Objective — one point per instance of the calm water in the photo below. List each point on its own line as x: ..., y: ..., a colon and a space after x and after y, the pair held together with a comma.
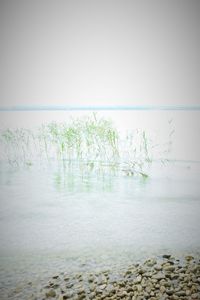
x: 51, y: 218
x: 54, y: 219
x: 44, y: 208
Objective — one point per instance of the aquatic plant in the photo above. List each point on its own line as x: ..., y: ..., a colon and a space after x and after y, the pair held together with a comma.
x: 16, y: 145
x: 94, y: 143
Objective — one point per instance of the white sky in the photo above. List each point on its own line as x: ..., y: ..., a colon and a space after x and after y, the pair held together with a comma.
x: 99, y: 52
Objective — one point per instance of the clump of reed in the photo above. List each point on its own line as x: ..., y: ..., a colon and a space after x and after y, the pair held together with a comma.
x: 91, y: 142
x: 88, y: 140
x: 16, y: 145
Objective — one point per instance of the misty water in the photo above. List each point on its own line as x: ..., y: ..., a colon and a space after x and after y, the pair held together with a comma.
x: 55, y: 218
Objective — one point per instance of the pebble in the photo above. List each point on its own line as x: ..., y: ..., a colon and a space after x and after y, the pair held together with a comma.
x: 51, y: 293
x: 169, y: 268
x: 167, y: 256
x: 151, y: 262
x: 158, y: 276
x: 155, y: 279
x: 138, y: 279
x: 189, y: 257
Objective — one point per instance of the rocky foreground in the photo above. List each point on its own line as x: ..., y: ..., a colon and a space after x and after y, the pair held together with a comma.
x: 163, y: 278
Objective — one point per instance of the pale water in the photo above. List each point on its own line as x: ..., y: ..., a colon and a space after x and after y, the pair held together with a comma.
x: 45, y: 208
x: 54, y: 218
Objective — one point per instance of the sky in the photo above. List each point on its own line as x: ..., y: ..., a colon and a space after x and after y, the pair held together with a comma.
x: 99, y: 52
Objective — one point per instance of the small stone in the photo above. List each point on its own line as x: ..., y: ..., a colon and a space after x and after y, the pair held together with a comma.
x: 162, y: 289
x: 189, y: 257
x: 81, y: 291
x: 158, y: 268
x: 175, y: 297
x: 167, y: 256
x: 148, y: 289
x: 141, y: 271
x: 151, y: 262
x: 90, y: 279
x: 64, y: 297
x: 138, y: 279
x: 92, y: 296
x: 169, y: 268
x: 128, y: 272
x: 195, y: 296
x: 129, y: 289
x: 66, y: 278
x: 139, y: 288
x: 81, y: 297
x: 174, y: 276
x: 158, y: 276
x: 122, y: 294
x: 121, y: 284
x: 102, y: 286
x: 188, y: 292
x: 170, y: 292
x: 69, y: 285
x: 18, y: 289
x: 181, y: 293
x: 51, y: 293
x: 92, y: 287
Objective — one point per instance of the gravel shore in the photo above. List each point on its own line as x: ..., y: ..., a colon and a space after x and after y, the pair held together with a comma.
x: 160, y: 278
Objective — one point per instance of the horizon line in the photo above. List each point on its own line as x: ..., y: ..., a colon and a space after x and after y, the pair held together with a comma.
x: 96, y: 107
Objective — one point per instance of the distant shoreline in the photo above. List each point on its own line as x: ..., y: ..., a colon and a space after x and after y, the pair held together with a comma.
x: 98, y: 108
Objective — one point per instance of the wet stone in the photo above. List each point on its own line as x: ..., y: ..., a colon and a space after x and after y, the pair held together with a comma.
x: 51, y: 293
x: 169, y: 268
x: 162, y: 280
x: 158, y: 276
x: 169, y: 292
x: 69, y: 285
x: 167, y: 256
x: 189, y: 257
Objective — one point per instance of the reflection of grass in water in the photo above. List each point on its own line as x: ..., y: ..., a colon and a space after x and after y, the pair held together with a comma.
x: 92, y: 142
x: 71, y: 181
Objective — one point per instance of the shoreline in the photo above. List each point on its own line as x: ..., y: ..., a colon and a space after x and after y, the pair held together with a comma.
x: 161, y: 278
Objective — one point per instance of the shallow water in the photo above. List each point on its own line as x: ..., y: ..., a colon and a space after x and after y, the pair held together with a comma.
x: 53, y: 218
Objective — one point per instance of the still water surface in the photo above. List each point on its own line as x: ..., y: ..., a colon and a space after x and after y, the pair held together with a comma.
x: 53, y: 218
